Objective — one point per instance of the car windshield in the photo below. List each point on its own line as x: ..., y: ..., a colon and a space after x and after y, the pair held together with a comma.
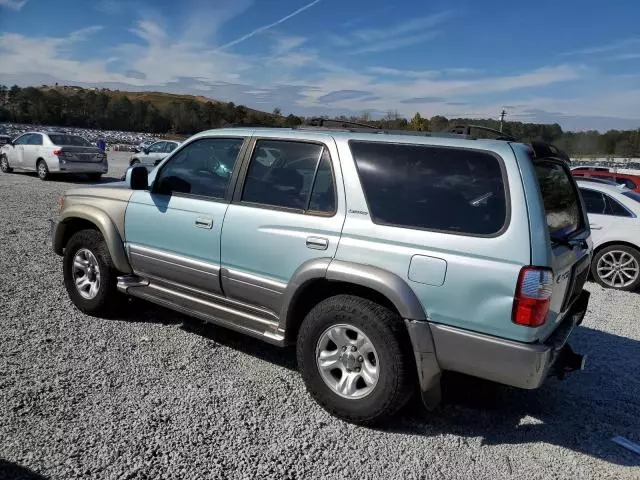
x: 633, y: 195
x: 71, y: 140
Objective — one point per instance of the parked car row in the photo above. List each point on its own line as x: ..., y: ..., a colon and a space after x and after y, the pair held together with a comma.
x: 386, y: 259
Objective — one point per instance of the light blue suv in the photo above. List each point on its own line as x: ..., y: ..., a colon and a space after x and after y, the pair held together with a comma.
x: 386, y: 257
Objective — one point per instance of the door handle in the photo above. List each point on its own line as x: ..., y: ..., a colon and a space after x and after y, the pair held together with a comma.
x: 317, y: 243
x: 204, y: 223
x: 594, y: 227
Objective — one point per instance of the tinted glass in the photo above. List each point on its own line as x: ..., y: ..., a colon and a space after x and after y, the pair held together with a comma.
x: 157, y: 147
x: 323, y: 197
x: 282, y: 174
x: 614, y: 208
x: 634, y: 195
x: 170, y: 147
x: 202, y: 168
x: 561, y: 201
x: 594, y: 201
x: 626, y: 182
x: 435, y: 188
x: 34, y: 139
x: 70, y: 140
x: 22, y: 140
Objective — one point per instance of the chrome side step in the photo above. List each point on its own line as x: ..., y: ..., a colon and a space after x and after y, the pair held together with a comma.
x: 225, y: 315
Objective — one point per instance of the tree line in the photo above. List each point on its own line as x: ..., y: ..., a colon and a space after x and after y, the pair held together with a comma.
x: 108, y: 110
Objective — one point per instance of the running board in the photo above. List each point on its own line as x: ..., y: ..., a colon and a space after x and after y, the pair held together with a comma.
x: 209, y: 311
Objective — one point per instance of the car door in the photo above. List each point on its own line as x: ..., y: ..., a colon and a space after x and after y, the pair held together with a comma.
x: 172, y: 231
x: 31, y: 151
x: 605, y: 214
x: 284, y: 213
x: 156, y: 152
x: 15, y: 152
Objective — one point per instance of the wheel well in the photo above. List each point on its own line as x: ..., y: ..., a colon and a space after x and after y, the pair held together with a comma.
x: 612, y: 243
x: 318, y: 290
x: 74, y: 225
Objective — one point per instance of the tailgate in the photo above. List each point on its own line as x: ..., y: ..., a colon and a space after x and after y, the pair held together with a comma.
x: 568, y: 229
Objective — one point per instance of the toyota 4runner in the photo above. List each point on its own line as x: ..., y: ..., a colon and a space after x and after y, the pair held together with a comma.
x: 386, y: 257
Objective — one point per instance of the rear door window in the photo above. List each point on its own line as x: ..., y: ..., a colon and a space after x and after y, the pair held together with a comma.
x: 433, y: 188
x: 594, y: 201
x: 560, y: 197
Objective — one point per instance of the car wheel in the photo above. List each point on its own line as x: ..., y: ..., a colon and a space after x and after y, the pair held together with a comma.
x: 89, y: 275
x: 352, y: 356
x: 617, y: 266
x: 4, y: 165
x: 94, y: 177
x: 43, y: 170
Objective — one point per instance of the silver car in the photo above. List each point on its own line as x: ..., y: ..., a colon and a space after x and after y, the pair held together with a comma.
x: 153, y: 154
x: 52, y: 152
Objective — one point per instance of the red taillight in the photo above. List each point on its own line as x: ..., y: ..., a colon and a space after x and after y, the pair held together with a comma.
x: 533, y: 295
x: 57, y: 152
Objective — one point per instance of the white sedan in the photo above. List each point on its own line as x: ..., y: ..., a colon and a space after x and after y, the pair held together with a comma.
x: 614, y: 217
x: 153, y: 154
x: 53, y: 152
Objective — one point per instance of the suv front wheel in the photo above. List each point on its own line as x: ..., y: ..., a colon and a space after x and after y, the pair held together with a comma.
x: 351, y: 353
x: 89, y: 275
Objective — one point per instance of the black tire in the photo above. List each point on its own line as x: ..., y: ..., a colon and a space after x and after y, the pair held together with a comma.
x: 4, y: 165
x: 94, y: 177
x: 388, y: 334
x: 106, y: 299
x: 43, y: 170
x: 630, y: 251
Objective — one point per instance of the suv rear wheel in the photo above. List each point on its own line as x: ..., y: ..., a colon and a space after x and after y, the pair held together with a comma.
x: 4, y: 165
x: 89, y: 275
x: 617, y: 266
x: 351, y: 353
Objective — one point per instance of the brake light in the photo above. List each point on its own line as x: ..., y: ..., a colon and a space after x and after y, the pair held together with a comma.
x: 533, y: 296
x: 58, y: 152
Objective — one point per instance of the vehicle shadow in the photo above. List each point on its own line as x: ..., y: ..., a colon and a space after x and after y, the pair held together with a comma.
x: 12, y: 471
x: 72, y: 178
x: 581, y: 413
x: 141, y: 311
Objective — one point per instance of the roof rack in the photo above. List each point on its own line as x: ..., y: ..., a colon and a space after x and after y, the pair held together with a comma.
x: 466, y: 130
x: 319, y: 122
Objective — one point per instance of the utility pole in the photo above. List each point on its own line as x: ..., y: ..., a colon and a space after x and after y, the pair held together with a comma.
x: 502, y: 115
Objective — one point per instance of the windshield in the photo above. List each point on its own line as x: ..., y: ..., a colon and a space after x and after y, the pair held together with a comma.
x: 71, y: 140
x: 631, y: 194
x: 561, y: 200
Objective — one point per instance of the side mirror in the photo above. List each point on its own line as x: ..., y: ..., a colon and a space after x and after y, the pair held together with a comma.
x: 138, y: 178
x: 145, y: 150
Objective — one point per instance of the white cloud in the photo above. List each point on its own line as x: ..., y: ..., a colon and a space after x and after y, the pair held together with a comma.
x: 13, y: 4
x: 609, y: 47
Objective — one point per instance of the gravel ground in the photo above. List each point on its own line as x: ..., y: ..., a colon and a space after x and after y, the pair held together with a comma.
x: 156, y: 395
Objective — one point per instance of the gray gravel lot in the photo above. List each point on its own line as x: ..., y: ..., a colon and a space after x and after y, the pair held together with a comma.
x: 156, y: 395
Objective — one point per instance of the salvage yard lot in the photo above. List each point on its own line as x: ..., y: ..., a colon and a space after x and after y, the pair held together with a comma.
x: 153, y: 394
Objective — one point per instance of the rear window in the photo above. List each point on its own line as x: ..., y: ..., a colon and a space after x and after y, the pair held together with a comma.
x: 70, y: 140
x: 561, y: 200
x: 433, y: 188
x: 631, y: 194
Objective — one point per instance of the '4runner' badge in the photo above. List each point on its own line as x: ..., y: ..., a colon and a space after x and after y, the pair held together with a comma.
x: 563, y: 276
x: 359, y: 212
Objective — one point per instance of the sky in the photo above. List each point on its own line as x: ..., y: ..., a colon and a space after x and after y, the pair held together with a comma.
x: 574, y: 62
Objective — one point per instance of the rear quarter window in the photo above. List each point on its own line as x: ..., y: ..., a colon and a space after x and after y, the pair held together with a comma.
x: 433, y: 188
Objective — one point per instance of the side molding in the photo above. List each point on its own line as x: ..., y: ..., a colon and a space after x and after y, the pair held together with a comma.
x: 106, y: 226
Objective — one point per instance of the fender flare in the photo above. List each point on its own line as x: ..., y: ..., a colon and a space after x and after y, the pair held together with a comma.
x: 382, y: 281
x: 104, y: 224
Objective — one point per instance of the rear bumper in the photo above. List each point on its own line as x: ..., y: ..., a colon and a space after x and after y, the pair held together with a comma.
x: 82, y: 167
x: 508, y: 362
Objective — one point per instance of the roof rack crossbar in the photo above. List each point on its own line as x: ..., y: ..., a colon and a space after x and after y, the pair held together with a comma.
x: 466, y: 130
x: 319, y: 122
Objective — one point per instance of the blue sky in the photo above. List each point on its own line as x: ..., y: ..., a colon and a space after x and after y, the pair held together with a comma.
x: 575, y: 62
